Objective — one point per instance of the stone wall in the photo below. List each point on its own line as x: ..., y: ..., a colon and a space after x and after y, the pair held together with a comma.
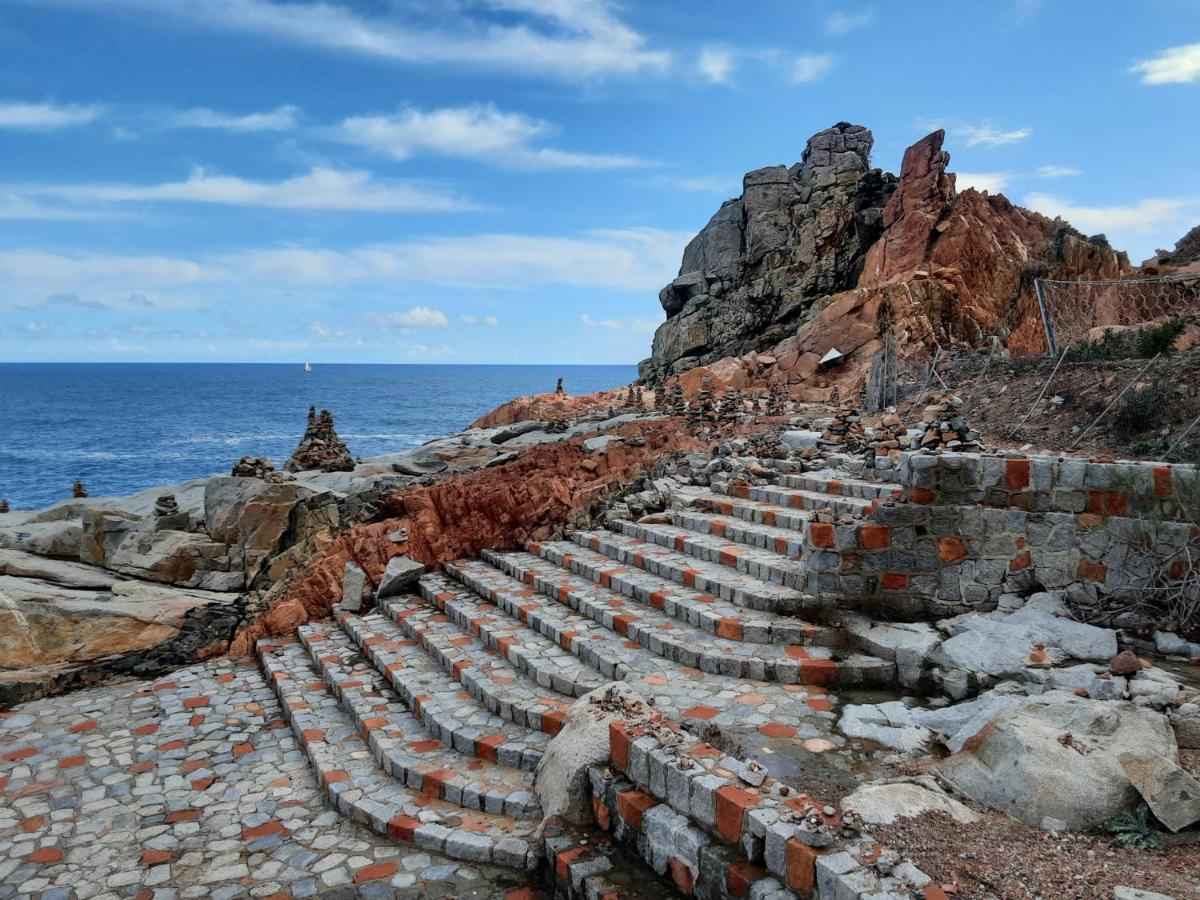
x: 963, y: 529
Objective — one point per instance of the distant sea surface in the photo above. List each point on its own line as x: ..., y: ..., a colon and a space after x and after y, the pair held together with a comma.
x: 120, y: 428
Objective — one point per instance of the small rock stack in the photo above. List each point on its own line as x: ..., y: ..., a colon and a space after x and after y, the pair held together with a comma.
x: 168, y: 516
x: 556, y: 426
x: 845, y: 432
x: 320, y: 448
x: 676, y: 403
x: 639, y: 401
x: 78, y: 491
x: 166, y: 505
x: 705, y: 411
x: 890, y: 437
x: 944, y: 427
x: 254, y: 467
x: 3, y: 505
x: 776, y: 400
x: 731, y: 406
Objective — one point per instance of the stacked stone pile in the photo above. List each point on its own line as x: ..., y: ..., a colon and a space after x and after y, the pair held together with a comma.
x: 845, y: 432
x: 944, y: 426
x: 889, y: 438
x: 320, y: 448
x: 256, y: 467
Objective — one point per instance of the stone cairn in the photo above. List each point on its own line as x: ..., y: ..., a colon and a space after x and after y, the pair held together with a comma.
x: 676, y: 403
x: 78, y: 491
x: 558, y: 389
x: 166, y: 505
x: 3, y: 505
x: 254, y: 467
x: 944, y: 427
x: 845, y: 432
x: 556, y: 426
x: 731, y: 406
x: 639, y: 401
x: 320, y: 448
x: 776, y: 400
x: 705, y: 411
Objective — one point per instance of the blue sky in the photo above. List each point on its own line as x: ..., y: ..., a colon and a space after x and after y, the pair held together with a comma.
x: 514, y: 180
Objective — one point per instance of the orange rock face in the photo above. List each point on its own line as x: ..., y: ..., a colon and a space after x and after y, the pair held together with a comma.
x: 550, y: 406
x: 496, y: 508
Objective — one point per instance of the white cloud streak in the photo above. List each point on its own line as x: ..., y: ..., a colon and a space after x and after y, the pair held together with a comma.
x: 571, y: 40
x: 281, y: 119
x: 319, y: 189
x: 18, y: 116
x: 1053, y: 171
x: 810, y: 67
x: 988, y: 136
x: 1142, y: 216
x: 479, y: 131
x: 417, y: 317
x: 716, y: 64
x: 842, y: 22
x: 1176, y: 65
x: 991, y: 182
x: 634, y: 259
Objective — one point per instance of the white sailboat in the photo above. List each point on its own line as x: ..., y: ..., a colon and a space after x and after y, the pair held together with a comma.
x: 308, y: 367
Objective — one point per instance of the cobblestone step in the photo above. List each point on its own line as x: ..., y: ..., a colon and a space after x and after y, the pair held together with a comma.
x: 402, y: 746
x: 838, y: 484
x: 552, y: 666
x: 357, y: 788
x: 448, y: 711
x: 483, y: 673
x: 658, y: 632
x: 798, y: 498
x: 680, y: 692
x: 711, y: 578
x: 756, y: 511
x: 710, y: 614
x: 748, y: 559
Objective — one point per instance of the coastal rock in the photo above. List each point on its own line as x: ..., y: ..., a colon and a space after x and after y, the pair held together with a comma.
x: 320, y: 448
x: 399, y: 576
x: 1171, y: 793
x: 883, y: 804
x: 254, y: 467
x: 819, y: 255
x: 59, y: 540
x: 250, y: 517
x: 1058, y: 757
x: 64, y: 624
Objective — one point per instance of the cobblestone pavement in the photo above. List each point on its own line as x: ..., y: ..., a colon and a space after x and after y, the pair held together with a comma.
x: 191, y: 786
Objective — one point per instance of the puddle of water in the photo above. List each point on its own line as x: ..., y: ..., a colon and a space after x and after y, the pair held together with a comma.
x: 1183, y: 670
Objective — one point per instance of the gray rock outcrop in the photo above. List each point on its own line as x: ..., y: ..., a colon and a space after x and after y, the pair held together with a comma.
x: 794, y: 235
x: 1059, y: 758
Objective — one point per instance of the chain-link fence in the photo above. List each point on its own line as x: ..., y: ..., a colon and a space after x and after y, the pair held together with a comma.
x: 1117, y: 319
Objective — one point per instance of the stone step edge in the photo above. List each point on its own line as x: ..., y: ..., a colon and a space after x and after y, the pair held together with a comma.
x: 433, y: 779
x: 337, y: 783
x: 746, y: 625
x: 772, y: 827
x: 447, y: 729
x: 842, y: 486
x: 799, y: 498
x: 794, y: 665
x: 495, y: 637
x: 796, y: 603
x: 548, y: 721
x: 784, y: 569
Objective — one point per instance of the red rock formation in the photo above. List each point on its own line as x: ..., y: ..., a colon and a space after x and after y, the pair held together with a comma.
x: 550, y: 406
x: 498, y: 508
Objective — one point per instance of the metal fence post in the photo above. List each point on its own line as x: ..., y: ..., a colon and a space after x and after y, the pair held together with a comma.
x: 1051, y: 349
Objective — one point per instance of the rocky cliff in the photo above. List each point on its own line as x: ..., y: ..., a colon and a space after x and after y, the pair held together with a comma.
x: 832, y: 253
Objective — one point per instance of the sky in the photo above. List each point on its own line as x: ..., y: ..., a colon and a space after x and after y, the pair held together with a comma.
x: 513, y: 181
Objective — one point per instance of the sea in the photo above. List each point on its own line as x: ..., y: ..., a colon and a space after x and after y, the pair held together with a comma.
x: 120, y: 428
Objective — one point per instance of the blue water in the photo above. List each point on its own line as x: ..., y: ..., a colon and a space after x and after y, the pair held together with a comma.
x: 123, y: 427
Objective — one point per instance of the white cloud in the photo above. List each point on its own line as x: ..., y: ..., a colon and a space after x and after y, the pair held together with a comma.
x: 982, y: 135
x: 45, y: 116
x: 987, y: 135
x: 635, y: 259
x: 992, y: 182
x: 418, y: 317
x: 567, y: 39
x: 479, y: 131
x: 321, y: 188
x: 491, y: 320
x: 715, y: 64
x: 1177, y: 65
x: 811, y: 67
x: 281, y: 119
x: 610, y: 324
x: 1053, y: 171
x: 705, y: 184
x: 844, y: 22
x: 470, y: 319
x: 1145, y: 215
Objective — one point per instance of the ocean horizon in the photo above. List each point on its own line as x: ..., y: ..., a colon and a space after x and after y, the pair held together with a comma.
x: 124, y: 427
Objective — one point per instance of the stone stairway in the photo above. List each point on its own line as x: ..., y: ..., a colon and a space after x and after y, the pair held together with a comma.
x: 426, y: 718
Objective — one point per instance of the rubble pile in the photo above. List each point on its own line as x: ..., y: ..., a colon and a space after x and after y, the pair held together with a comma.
x: 845, y: 432
x: 943, y: 425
